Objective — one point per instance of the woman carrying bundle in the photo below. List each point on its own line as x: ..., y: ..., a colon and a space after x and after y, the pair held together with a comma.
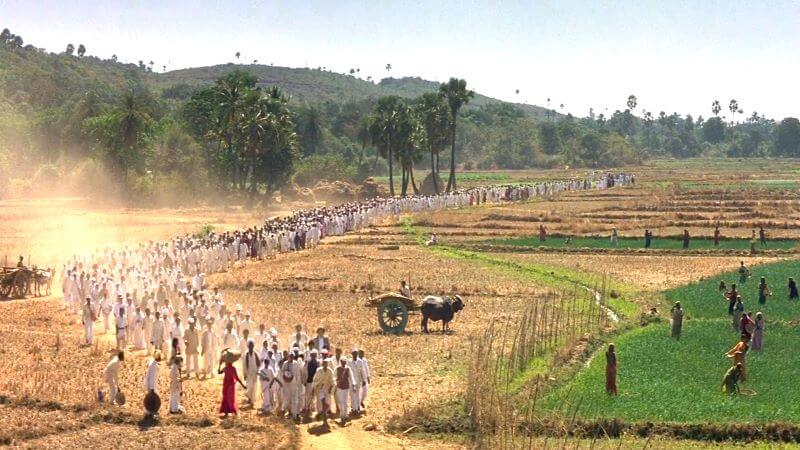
x: 229, y: 381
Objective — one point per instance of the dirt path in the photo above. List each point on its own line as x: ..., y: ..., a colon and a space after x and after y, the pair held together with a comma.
x: 353, y: 436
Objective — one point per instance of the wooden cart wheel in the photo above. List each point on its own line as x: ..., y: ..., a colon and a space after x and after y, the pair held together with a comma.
x: 5, y: 289
x: 19, y: 285
x: 393, y: 316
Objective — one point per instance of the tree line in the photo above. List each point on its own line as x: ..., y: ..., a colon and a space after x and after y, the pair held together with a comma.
x: 101, y: 125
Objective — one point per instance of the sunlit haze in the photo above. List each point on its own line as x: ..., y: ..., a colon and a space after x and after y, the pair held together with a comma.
x: 675, y: 56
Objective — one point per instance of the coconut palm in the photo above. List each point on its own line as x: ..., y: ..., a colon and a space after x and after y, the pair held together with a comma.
x: 456, y: 95
x: 715, y: 107
x: 733, y: 106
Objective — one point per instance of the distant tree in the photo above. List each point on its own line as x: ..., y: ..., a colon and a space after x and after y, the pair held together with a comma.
x: 150, y: 65
x: 389, y: 129
x: 434, y: 116
x: 456, y: 95
x: 164, y: 68
x: 352, y: 71
x: 16, y: 41
x: 311, y: 130
x: 632, y: 101
x: 593, y: 149
x: 255, y: 61
x: 114, y: 57
x: 5, y: 36
x: 733, y: 106
x: 550, y: 139
x: 787, y: 137
x: 238, y: 54
x: 648, y: 118
x: 388, y: 67
x: 70, y: 49
x: 81, y: 50
x: 688, y: 123
x: 714, y: 130
x: 715, y: 107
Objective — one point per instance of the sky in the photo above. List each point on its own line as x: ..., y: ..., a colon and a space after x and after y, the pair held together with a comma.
x: 675, y: 56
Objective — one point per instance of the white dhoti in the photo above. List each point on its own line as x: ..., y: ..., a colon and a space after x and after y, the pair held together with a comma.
x: 208, y: 364
x: 252, y: 381
x: 341, y: 401
x: 355, y: 399
x: 88, y: 331
x: 175, y: 401
x: 364, y: 391
x: 266, y: 396
x: 192, y: 364
x: 323, y: 396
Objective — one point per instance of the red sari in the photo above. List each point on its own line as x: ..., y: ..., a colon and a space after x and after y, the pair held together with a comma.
x: 611, y: 373
x: 229, y: 390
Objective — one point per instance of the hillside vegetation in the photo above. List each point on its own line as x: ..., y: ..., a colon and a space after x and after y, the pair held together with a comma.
x: 73, y: 123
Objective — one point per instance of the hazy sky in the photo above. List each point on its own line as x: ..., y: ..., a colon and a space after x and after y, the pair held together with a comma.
x: 674, y: 55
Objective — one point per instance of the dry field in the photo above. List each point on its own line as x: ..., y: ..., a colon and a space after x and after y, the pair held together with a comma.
x: 328, y: 286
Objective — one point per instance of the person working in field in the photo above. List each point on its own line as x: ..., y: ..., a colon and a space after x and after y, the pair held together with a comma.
x: 792, y: 286
x: 757, y: 342
x: 648, y: 238
x: 542, y: 233
x: 744, y: 273
x: 746, y: 325
x: 111, y: 376
x: 738, y: 310
x: 738, y: 353
x: 686, y: 239
x: 611, y: 370
x: 763, y: 291
x: 730, y: 382
x: 731, y: 296
x: 716, y: 236
x: 614, y: 237
x: 762, y: 236
x: 677, y: 320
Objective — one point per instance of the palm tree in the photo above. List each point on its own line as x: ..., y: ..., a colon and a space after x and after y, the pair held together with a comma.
x: 434, y: 117
x: 715, y: 107
x: 388, y: 67
x: 238, y: 54
x: 733, y: 106
x: 70, y: 49
x: 632, y: 101
x: 114, y: 57
x: 388, y: 130
x: 81, y: 50
x: 456, y: 94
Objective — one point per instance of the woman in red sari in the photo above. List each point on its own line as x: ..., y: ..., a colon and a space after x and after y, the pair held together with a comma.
x: 611, y: 370
x: 229, y: 381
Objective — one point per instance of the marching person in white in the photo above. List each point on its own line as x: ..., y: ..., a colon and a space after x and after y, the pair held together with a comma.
x: 344, y: 386
x: 269, y: 378
x: 157, y: 334
x: 88, y: 316
x: 359, y: 380
x: 322, y: 387
x: 151, y: 377
x: 111, y: 376
x: 367, y: 376
x: 208, y: 345
x: 175, y: 386
x: 192, y: 341
x: 251, y: 363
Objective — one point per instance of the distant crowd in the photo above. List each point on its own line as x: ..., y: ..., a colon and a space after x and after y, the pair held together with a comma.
x: 155, y: 299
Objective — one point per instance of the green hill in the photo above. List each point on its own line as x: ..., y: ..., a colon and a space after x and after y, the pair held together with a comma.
x: 316, y: 85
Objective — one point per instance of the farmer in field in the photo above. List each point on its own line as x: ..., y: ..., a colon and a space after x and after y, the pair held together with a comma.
x: 614, y: 237
x: 686, y: 238
x: 744, y: 273
x: 738, y: 353
x: 251, y: 364
x: 367, y: 376
x: 648, y: 238
x: 229, y: 380
x: 731, y: 296
x: 677, y: 320
x: 111, y: 376
x: 542, y: 233
x: 208, y: 347
x: 738, y: 310
x: 746, y: 325
x: 792, y: 286
x: 757, y: 342
x: 716, y: 236
x: 344, y: 384
x: 322, y: 388
x: 611, y: 370
x: 730, y: 383
x: 763, y: 291
x: 762, y: 236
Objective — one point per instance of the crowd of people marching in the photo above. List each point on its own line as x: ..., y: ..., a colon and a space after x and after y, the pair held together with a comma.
x: 155, y: 298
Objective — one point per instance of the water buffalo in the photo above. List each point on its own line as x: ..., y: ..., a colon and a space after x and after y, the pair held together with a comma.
x: 437, y: 308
